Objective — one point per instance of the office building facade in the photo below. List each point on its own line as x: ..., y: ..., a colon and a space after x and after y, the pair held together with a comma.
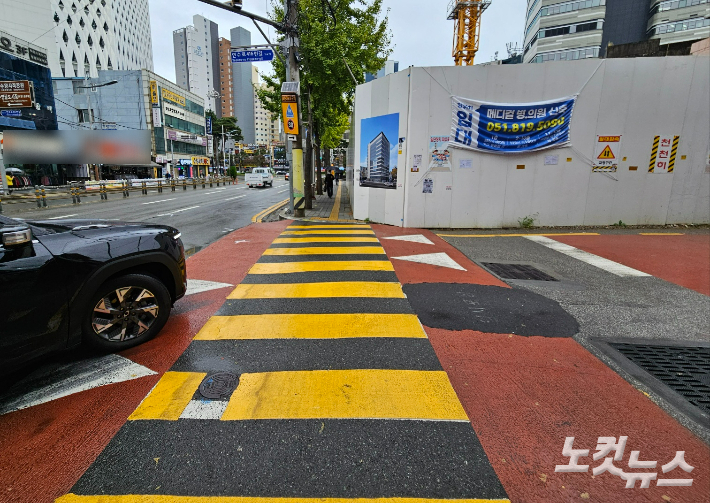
x: 242, y: 89
x: 267, y: 127
x: 378, y: 159
x: 140, y: 100
x: 226, y: 82
x: 196, y: 52
x: 84, y: 37
x: 580, y: 29
x: 390, y: 67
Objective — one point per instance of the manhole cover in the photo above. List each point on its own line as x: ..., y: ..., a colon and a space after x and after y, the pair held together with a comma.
x: 686, y: 370
x: 219, y: 386
x: 517, y: 271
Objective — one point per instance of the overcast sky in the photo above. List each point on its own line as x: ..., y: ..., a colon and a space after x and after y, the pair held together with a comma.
x: 421, y: 34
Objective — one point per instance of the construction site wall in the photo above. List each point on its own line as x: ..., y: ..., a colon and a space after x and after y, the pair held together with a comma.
x: 637, y: 99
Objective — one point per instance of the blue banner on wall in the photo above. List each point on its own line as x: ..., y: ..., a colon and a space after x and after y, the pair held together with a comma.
x: 209, y: 125
x: 510, y: 127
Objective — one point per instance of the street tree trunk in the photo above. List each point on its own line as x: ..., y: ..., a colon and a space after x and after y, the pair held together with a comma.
x: 326, y: 160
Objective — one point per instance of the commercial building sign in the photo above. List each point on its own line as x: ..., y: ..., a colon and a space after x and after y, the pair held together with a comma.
x: 200, y: 161
x: 21, y: 49
x: 157, y: 118
x: 171, y: 96
x: 16, y: 94
x: 510, y: 127
x: 174, y: 111
x: 187, y: 137
x: 153, y: 92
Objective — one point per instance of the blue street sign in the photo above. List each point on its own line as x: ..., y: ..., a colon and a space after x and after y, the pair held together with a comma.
x: 209, y: 125
x: 253, y: 55
x: 11, y: 113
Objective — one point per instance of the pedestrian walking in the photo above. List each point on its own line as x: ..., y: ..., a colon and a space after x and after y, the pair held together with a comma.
x: 336, y: 176
x: 329, y: 183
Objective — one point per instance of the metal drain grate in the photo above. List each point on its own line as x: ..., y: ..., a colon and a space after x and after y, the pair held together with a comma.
x: 686, y: 370
x: 517, y: 271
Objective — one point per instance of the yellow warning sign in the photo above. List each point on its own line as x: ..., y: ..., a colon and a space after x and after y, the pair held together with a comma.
x: 289, y: 107
x: 606, y: 153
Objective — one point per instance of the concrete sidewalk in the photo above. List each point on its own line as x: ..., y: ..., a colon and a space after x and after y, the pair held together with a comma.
x: 336, y: 208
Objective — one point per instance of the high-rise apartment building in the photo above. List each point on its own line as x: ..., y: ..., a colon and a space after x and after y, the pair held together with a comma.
x: 267, y: 127
x: 226, y: 84
x: 242, y: 89
x: 196, y: 51
x: 578, y: 29
x: 83, y: 36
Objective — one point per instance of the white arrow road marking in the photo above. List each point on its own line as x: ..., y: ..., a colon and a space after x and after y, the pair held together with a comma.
x: 199, y: 285
x: 241, y: 241
x: 440, y: 259
x: 176, y: 211
x: 414, y: 238
x: 53, y: 382
x: 161, y: 201
x: 595, y: 260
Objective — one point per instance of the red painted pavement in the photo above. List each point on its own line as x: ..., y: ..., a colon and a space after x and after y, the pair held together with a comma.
x: 683, y: 260
x: 46, y: 448
x: 524, y: 395
x: 415, y: 272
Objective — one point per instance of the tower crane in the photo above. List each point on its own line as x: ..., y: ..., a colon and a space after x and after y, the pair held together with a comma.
x: 467, y: 27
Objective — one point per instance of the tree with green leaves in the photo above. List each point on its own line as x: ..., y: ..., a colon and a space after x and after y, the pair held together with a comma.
x: 336, y: 37
x: 230, y: 128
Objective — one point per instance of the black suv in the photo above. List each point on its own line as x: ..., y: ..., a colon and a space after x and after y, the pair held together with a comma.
x: 109, y: 284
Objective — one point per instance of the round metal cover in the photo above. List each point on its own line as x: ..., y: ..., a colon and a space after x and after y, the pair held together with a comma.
x: 219, y: 386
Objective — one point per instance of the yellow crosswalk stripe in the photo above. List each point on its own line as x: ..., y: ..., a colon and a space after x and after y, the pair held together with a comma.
x: 325, y: 240
x: 329, y: 231
x: 169, y: 397
x: 327, y: 250
x: 328, y: 226
x: 311, y: 326
x: 345, y: 394
x: 334, y: 265
x: 163, y: 498
x: 315, y: 290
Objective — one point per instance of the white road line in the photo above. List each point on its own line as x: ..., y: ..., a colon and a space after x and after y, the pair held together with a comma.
x: 204, y: 409
x: 232, y: 198
x: 595, y: 260
x: 177, y: 211
x: 63, y: 216
x: 280, y: 191
x: 161, y: 201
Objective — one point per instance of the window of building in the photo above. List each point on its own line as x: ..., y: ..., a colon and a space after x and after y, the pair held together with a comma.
x: 688, y: 24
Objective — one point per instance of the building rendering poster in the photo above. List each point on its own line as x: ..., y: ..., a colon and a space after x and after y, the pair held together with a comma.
x: 378, y: 151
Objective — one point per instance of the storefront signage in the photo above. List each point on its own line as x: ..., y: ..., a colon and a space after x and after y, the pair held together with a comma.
x: 510, y: 127
x: 187, y: 137
x: 16, y: 94
x: 175, y: 98
x: 21, y: 49
x: 153, y: 92
x: 200, y: 161
x: 174, y: 111
x: 209, y: 125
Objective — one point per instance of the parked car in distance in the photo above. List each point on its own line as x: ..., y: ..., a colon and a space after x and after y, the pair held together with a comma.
x: 109, y: 284
x: 259, y: 177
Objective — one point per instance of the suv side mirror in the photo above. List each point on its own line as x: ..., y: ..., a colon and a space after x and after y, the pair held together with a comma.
x: 16, y: 236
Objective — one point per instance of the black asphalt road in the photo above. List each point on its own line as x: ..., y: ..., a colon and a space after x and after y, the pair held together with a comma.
x: 202, y: 215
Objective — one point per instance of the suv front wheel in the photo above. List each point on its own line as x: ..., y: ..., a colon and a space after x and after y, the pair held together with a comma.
x: 126, y: 311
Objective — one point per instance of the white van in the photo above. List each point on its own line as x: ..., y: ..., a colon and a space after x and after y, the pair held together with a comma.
x: 259, y: 177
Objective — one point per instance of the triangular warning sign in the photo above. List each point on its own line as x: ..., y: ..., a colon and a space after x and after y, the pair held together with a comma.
x: 289, y: 112
x: 607, y: 153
